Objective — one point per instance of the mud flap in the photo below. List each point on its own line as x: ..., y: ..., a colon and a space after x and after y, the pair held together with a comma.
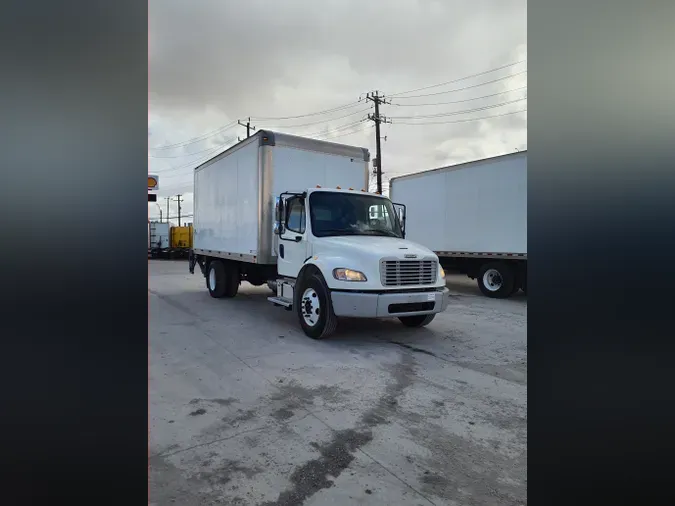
x: 191, y: 261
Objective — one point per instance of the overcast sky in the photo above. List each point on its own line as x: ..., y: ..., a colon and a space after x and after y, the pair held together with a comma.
x: 212, y: 62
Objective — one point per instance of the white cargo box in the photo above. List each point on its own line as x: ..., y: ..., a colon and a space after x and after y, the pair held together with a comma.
x: 158, y: 235
x: 472, y: 209
x: 235, y: 191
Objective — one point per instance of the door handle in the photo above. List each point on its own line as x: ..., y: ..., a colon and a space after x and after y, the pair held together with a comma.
x: 298, y: 238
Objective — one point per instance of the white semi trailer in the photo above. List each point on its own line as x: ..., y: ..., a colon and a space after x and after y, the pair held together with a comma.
x: 474, y: 217
x: 293, y: 213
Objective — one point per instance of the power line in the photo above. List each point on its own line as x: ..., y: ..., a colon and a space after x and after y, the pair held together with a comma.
x: 351, y: 132
x: 457, y: 80
x: 256, y: 118
x: 454, y: 113
x: 196, y: 139
x: 319, y: 122
x: 460, y: 101
x: 196, y: 152
x: 195, y: 163
x: 326, y: 111
x: 337, y: 129
x: 510, y: 76
x: 461, y: 120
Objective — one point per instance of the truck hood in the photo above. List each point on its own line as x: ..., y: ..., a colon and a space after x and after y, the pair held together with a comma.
x: 373, y: 247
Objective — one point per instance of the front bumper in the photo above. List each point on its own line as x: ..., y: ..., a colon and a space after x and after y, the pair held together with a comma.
x: 382, y: 305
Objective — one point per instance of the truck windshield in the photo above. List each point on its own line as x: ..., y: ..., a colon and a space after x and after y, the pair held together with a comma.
x: 333, y: 213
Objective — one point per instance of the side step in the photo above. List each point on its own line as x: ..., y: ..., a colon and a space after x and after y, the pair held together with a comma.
x: 281, y: 301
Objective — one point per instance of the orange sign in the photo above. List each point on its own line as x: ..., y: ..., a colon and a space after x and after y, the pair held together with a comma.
x: 153, y: 182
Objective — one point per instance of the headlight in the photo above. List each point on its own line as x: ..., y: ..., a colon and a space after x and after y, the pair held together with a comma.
x: 441, y: 271
x: 348, y: 275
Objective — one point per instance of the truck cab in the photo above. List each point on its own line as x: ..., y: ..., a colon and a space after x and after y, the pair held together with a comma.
x: 343, y: 253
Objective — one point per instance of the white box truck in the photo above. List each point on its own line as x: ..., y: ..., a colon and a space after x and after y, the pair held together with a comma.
x: 474, y: 217
x: 294, y: 213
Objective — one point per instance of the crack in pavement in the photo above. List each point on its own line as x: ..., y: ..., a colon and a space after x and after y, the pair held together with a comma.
x: 337, y: 454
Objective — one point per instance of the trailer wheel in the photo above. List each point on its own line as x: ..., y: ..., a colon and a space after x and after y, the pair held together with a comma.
x: 416, y: 321
x: 314, y: 307
x: 215, y: 279
x: 496, y: 280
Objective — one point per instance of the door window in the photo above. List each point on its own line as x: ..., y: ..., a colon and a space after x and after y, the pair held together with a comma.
x: 296, y: 216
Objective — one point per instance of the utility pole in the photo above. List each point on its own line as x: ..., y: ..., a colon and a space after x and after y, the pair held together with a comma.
x: 168, y: 199
x: 248, y: 128
x: 377, y: 99
x: 178, y: 199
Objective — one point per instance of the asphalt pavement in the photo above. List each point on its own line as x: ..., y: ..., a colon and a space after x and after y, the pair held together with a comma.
x: 247, y: 410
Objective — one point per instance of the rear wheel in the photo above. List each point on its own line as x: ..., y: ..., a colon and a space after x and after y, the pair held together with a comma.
x: 222, y: 279
x: 215, y: 279
x: 421, y: 320
x: 496, y: 280
x: 314, y: 307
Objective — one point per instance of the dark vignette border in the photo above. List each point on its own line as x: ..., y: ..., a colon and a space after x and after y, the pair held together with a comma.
x: 74, y: 300
x: 74, y: 294
x: 601, y: 198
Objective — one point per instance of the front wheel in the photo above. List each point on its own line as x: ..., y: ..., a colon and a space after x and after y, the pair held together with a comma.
x: 416, y: 321
x: 315, y: 308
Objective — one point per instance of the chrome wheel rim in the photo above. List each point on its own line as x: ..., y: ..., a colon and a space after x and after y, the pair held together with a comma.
x: 310, y: 307
x: 492, y: 279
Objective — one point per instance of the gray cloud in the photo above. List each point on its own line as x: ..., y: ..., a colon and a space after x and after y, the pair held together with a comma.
x: 212, y: 62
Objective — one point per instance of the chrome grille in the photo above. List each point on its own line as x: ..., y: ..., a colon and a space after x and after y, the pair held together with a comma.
x: 408, y: 272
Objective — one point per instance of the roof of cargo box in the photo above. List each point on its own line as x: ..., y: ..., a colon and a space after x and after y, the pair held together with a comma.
x: 463, y: 165
x: 270, y: 138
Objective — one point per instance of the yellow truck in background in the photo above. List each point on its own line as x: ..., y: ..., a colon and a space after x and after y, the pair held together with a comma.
x: 176, y: 244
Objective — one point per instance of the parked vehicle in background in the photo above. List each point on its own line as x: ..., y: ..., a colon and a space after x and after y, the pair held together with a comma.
x: 181, y: 241
x: 293, y: 213
x: 167, y: 241
x: 474, y: 217
x: 159, y: 238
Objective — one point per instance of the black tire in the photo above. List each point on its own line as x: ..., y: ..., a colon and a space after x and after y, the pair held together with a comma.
x: 232, y: 279
x: 326, y: 322
x: 504, y: 280
x: 215, y: 274
x: 421, y: 320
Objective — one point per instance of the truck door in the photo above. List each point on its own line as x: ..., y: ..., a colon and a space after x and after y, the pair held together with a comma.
x: 292, y: 240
